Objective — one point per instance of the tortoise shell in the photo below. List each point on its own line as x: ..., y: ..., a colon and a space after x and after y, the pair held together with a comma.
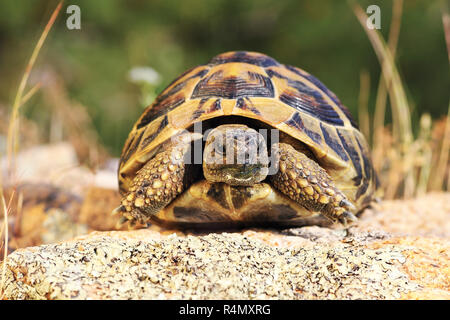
x: 253, y: 85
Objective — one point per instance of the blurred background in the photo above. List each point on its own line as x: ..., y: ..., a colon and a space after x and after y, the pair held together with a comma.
x: 92, y: 66
x: 89, y: 86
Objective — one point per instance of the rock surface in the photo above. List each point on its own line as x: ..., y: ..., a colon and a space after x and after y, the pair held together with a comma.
x: 317, y: 263
x: 54, y: 198
x: 427, y: 215
x: 57, y: 164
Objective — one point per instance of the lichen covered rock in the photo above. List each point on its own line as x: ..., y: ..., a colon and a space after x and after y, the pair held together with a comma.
x: 318, y: 263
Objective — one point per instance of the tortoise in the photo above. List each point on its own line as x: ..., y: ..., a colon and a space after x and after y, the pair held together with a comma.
x: 200, y: 155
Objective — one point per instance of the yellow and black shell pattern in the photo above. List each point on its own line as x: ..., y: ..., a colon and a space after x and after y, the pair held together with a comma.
x: 254, y: 85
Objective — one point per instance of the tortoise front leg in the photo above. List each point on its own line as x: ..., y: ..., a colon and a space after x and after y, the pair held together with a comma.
x: 306, y: 182
x: 157, y: 183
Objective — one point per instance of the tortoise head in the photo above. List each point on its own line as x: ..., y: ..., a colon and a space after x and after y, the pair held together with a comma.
x: 235, y: 154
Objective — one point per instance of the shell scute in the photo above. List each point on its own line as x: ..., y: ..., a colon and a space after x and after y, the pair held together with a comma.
x: 332, y: 140
x: 328, y: 92
x: 304, y: 97
x: 253, y: 85
x: 253, y: 58
x: 245, y: 84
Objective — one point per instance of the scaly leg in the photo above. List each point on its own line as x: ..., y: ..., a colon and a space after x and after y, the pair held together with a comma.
x: 306, y: 182
x: 156, y: 184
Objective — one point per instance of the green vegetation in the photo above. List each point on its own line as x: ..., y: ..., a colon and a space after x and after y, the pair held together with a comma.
x: 91, y: 65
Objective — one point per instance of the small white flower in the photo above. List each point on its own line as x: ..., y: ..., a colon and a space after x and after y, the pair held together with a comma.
x: 144, y: 74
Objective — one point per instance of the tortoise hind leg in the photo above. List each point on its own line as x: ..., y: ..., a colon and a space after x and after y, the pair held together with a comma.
x: 306, y: 182
x: 157, y: 183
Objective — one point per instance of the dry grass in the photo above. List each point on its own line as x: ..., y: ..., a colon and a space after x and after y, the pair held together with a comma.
x: 5, y: 236
x: 380, y: 104
x: 71, y: 122
x: 13, y: 133
x: 363, y: 103
x: 405, y: 163
x: 442, y: 163
x: 12, y: 140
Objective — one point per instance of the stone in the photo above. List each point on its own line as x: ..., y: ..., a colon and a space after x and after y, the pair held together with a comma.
x: 57, y: 164
x: 253, y: 264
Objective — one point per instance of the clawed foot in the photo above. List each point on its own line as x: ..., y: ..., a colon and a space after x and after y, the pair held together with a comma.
x: 306, y: 182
